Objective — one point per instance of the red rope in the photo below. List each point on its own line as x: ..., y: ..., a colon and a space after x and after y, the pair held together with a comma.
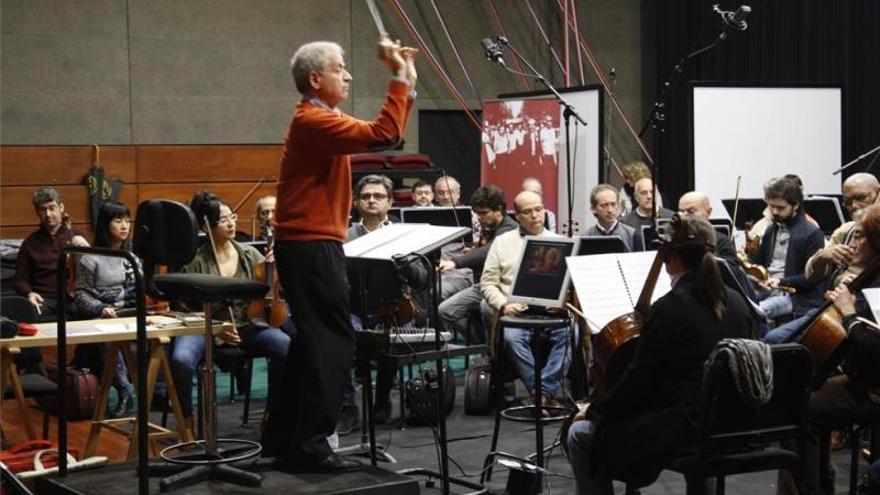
x: 591, y: 57
x: 434, y: 64
x: 574, y: 15
x: 559, y: 63
x: 565, y: 44
x: 544, y: 34
x: 489, y: 7
x: 455, y: 51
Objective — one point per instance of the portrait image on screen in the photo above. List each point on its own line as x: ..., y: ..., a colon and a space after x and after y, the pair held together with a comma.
x: 542, y: 275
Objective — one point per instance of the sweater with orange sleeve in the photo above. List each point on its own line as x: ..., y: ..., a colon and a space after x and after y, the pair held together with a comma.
x: 314, y: 186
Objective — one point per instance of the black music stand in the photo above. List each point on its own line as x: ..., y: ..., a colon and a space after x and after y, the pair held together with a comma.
x: 826, y: 210
x: 600, y: 244
x: 377, y: 249
x: 446, y: 216
x: 749, y: 210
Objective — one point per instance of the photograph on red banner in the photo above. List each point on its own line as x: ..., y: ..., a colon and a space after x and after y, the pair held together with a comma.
x: 521, y: 139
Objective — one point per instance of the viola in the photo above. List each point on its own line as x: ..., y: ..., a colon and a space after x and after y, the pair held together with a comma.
x: 272, y: 306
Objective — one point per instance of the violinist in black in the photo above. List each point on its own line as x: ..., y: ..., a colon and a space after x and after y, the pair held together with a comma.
x: 653, y: 411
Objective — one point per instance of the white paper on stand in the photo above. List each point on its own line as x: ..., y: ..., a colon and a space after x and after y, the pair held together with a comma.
x: 608, y: 285
x: 397, y: 238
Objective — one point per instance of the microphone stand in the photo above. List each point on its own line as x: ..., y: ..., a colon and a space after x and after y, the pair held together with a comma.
x: 657, y: 120
x: 567, y: 113
x: 858, y: 159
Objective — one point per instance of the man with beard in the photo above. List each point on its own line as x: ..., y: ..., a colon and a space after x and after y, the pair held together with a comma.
x: 785, y: 249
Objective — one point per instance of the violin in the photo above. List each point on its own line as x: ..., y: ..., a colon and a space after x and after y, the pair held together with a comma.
x: 272, y: 306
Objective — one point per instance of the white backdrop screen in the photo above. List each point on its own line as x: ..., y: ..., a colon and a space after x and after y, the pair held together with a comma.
x: 760, y: 133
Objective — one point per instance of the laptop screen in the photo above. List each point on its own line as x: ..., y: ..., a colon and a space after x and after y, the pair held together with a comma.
x: 541, y: 277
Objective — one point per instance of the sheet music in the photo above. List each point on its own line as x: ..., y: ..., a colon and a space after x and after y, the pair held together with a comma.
x: 872, y: 295
x: 397, y: 238
x: 608, y: 285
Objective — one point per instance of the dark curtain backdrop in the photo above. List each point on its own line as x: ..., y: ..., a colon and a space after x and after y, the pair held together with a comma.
x: 826, y: 42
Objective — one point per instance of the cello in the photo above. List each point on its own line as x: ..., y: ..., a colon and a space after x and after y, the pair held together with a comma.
x: 615, y: 345
x: 825, y: 336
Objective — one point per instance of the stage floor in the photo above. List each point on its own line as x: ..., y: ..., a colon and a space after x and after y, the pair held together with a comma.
x: 469, y: 439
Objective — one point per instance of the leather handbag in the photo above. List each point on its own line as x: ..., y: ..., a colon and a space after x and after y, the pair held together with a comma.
x: 81, y: 393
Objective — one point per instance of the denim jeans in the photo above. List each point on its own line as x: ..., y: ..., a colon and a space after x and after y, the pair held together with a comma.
x: 786, y: 332
x: 580, y: 444
x: 188, y: 350
x: 517, y: 342
x: 777, y: 304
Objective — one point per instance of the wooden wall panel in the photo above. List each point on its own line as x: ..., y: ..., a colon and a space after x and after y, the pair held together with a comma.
x: 22, y: 231
x: 53, y: 165
x: 17, y: 208
x: 150, y: 171
x: 208, y: 163
x: 229, y: 192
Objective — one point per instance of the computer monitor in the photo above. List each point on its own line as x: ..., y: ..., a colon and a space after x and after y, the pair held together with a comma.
x: 541, y: 277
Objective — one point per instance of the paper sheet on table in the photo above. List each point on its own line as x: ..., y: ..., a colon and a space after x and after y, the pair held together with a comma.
x: 608, y: 285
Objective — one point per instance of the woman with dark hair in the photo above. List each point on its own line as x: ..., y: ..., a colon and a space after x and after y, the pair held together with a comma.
x: 855, y: 394
x: 228, y: 258
x: 653, y: 411
x: 103, y: 286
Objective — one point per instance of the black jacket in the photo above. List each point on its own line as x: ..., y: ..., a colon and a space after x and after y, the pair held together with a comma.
x: 805, y: 240
x: 653, y: 411
x: 476, y: 257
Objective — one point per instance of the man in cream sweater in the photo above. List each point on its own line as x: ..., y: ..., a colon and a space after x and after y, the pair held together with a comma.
x: 497, y: 279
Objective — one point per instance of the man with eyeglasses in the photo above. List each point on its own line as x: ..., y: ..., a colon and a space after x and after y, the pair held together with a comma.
x: 314, y: 198
x: 496, y: 283
x: 422, y: 194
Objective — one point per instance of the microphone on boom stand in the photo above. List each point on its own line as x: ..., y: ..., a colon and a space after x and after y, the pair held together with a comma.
x: 733, y: 21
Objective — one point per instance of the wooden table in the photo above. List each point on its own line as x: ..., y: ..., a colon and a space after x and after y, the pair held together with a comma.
x: 117, y: 332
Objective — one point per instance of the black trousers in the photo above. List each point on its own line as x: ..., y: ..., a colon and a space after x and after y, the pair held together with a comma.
x: 315, y: 285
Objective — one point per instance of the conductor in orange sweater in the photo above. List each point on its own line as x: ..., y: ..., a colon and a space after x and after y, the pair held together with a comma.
x: 314, y: 197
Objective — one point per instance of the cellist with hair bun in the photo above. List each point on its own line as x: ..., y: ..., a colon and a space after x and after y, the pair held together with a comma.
x: 652, y: 412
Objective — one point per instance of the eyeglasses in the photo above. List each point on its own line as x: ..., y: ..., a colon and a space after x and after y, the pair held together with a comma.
x: 376, y: 196
x: 228, y: 218
x: 859, y: 198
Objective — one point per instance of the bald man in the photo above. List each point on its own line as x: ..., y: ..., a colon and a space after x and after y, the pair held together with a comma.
x: 697, y: 203
x: 641, y: 215
x: 496, y: 283
x: 534, y: 185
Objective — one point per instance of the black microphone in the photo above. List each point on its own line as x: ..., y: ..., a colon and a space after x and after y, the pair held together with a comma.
x: 493, y: 51
x: 733, y: 21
